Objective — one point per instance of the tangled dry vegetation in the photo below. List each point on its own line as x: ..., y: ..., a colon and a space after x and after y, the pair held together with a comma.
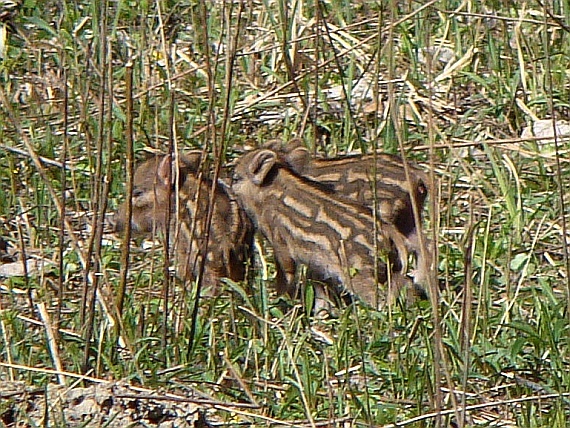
x: 469, y: 90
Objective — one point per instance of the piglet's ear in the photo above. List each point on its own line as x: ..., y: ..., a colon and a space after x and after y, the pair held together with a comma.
x: 275, y: 145
x: 260, y: 166
x: 165, y: 171
x: 292, y: 144
x: 298, y: 158
x: 191, y: 160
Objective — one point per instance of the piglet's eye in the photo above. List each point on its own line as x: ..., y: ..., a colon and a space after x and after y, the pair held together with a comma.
x: 137, y: 193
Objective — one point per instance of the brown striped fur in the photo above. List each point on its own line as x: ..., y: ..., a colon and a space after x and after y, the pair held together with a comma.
x: 231, y: 232
x: 309, y: 225
x: 376, y: 181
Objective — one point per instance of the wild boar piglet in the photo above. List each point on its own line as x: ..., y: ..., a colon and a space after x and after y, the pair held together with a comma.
x: 378, y: 181
x: 157, y: 197
x: 307, y: 224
